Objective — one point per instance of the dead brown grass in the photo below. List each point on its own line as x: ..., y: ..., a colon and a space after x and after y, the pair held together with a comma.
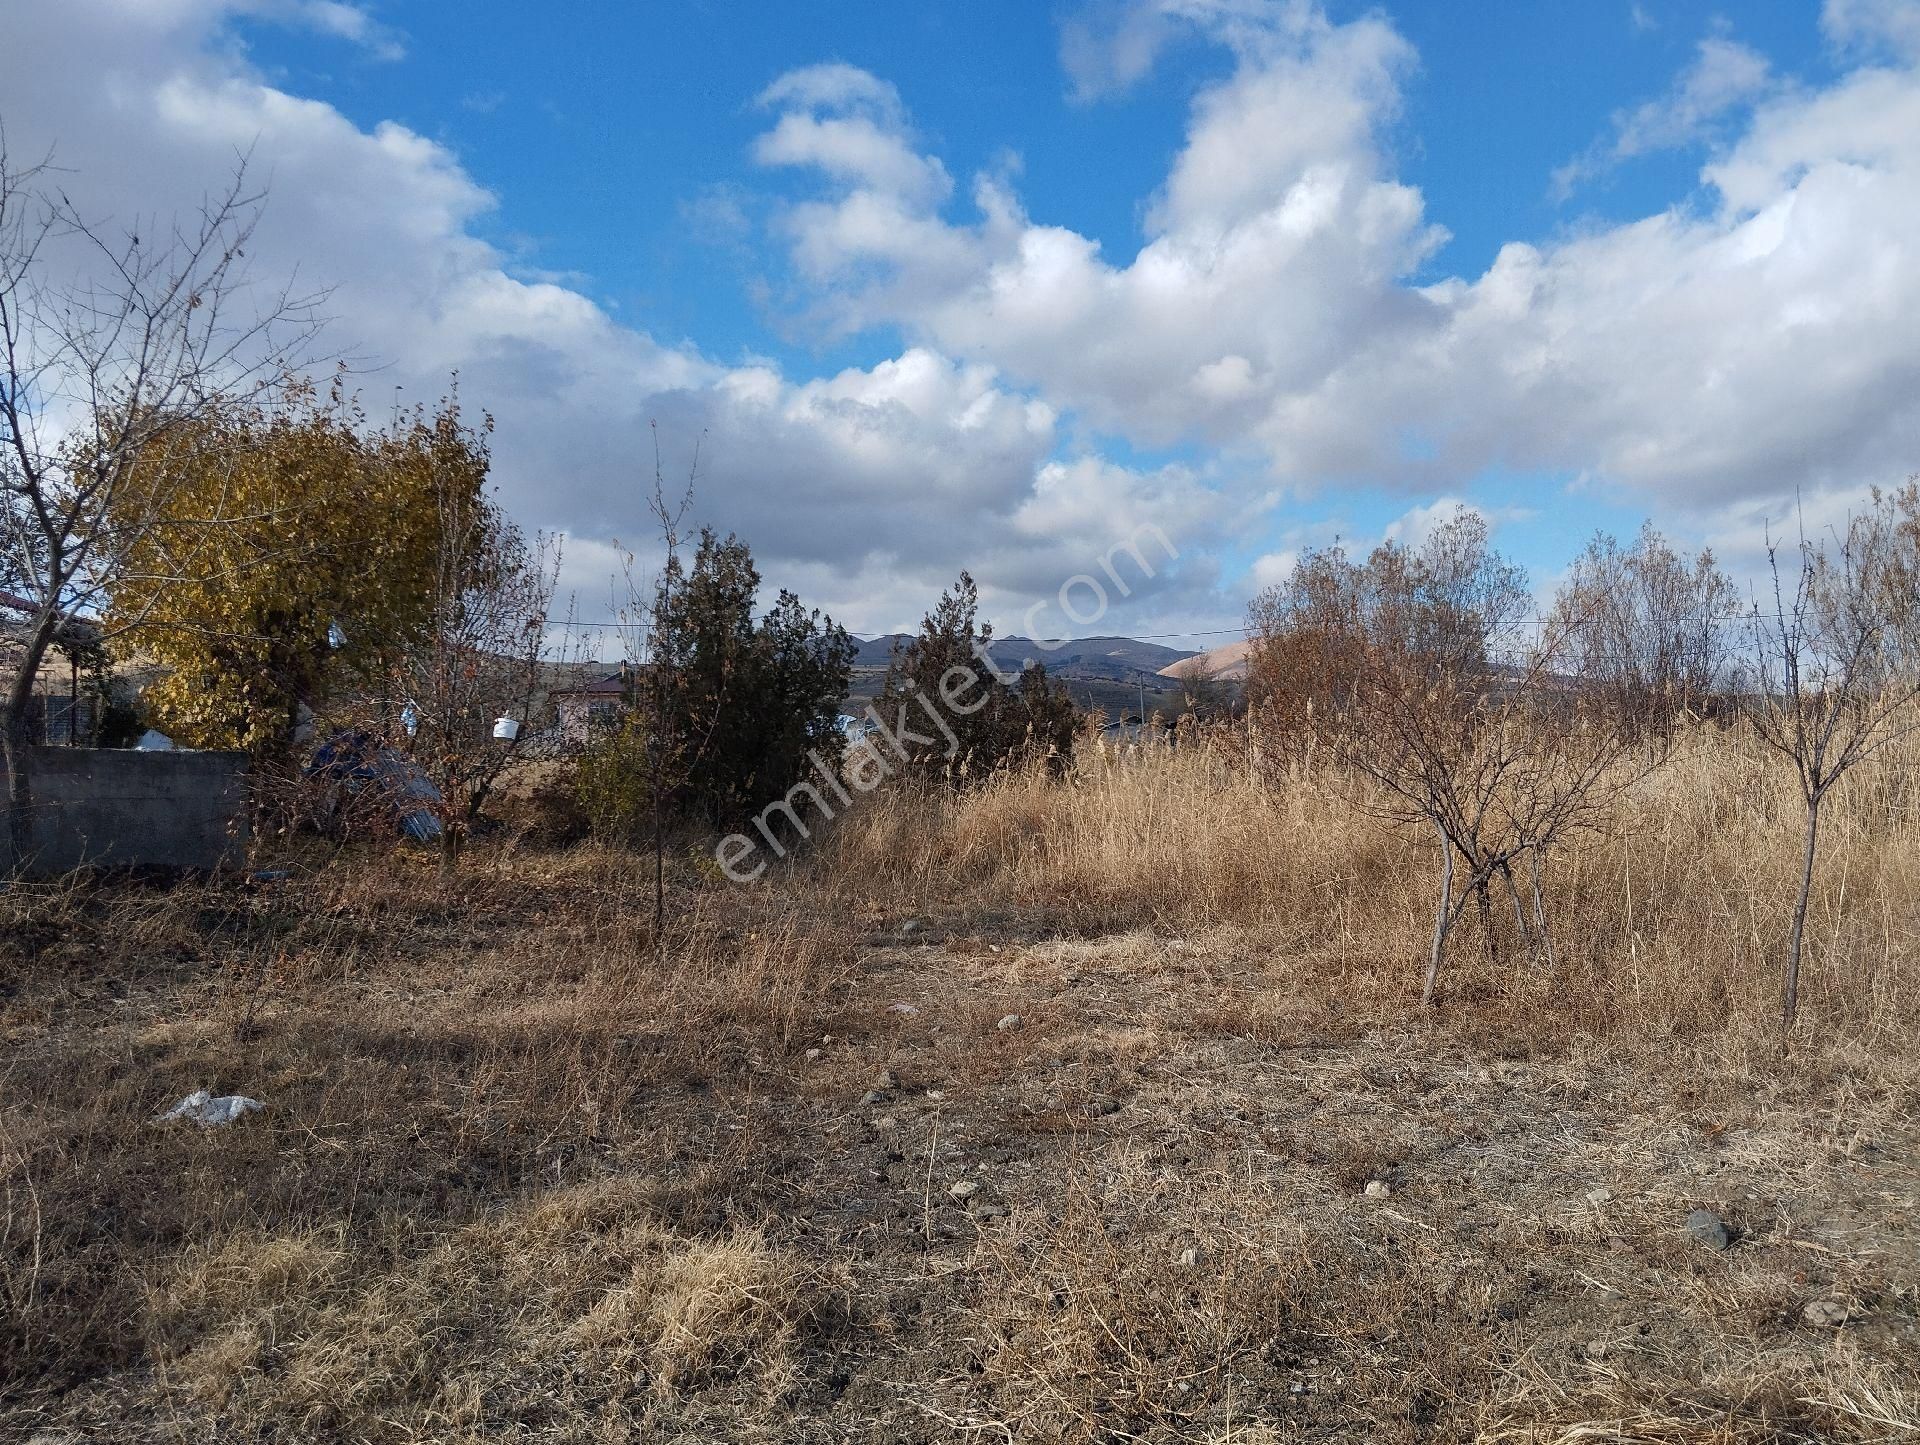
x: 524, y: 1172
x: 1675, y: 913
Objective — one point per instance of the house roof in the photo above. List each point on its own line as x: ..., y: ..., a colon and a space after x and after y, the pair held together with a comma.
x: 613, y: 684
x: 70, y: 628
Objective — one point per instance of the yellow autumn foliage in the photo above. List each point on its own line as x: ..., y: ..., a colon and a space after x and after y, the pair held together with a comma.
x: 283, y: 552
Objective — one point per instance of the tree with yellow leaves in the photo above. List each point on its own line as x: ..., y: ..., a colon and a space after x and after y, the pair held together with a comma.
x: 322, y: 573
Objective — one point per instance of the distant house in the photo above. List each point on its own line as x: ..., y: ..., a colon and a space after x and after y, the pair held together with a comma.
x: 592, y: 706
x: 61, y: 712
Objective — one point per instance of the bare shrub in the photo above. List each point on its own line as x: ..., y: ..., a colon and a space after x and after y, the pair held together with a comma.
x: 1409, y: 667
x: 1836, y: 669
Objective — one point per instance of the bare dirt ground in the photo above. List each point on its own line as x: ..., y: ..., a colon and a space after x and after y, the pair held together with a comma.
x: 964, y: 1178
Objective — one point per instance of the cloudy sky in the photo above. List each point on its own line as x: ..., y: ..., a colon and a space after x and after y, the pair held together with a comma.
x: 992, y: 285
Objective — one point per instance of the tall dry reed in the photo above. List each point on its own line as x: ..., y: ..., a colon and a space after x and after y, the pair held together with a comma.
x: 1671, y: 915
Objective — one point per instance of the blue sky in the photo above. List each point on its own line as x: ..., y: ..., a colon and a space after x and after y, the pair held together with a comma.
x: 612, y: 132
x: 994, y: 285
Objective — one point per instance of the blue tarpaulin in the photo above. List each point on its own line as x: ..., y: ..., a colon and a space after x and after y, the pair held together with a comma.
x: 358, y: 759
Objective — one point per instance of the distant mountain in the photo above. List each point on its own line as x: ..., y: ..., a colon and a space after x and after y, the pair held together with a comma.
x: 1121, y: 676
x: 1226, y: 663
x: 1087, y: 657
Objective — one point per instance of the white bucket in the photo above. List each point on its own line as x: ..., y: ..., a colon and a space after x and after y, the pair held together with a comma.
x: 506, y: 729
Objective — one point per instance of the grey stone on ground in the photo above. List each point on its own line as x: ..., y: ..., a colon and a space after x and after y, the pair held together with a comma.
x: 964, y: 1188
x: 1378, y: 1189
x: 912, y: 925
x: 1828, y: 1313
x: 1707, y: 1227
x: 1010, y: 1021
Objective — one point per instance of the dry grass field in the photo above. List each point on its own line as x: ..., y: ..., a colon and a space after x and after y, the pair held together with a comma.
x: 1095, y: 1111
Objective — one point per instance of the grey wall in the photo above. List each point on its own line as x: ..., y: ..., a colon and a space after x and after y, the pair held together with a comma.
x: 116, y: 807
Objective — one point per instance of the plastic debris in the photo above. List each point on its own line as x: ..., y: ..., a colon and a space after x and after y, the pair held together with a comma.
x: 208, y: 1112
x: 152, y: 741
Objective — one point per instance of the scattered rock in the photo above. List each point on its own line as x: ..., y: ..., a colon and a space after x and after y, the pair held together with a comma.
x: 886, y: 1080
x: 1191, y: 1256
x: 813, y: 1056
x: 872, y: 1097
x: 1708, y: 1228
x: 936, y: 1094
x: 989, y: 1211
x: 964, y: 1188
x: 1602, y: 1195
x: 912, y: 925
x: 1594, y: 1349
x: 901, y: 1006
x: 1378, y: 1189
x: 1826, y: 1313
x: 886, y: 1121
x: 1103, y: 1104
x: 1009, y: 1022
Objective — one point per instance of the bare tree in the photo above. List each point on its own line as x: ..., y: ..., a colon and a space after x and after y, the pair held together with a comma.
x: 1637, y: 638
x: 478, y: 667
x: 1836, y: 674
x: 1205, y: 695
x: 1646, y: 628
x: 110, y: 339
x: 1405, y: 666
x: 670, y: 738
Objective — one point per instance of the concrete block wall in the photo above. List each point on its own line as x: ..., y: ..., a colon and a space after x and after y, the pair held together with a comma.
x: 112, y: 807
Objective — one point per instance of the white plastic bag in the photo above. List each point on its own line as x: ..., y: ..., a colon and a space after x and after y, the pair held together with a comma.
x: 209, y: 1112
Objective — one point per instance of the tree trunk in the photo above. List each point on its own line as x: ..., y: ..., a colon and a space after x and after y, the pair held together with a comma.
x: 452, y: 835
x: 1442, y: 919
x: 1541, y: 931
x: 1790, y: 986
x: 659, y: 874
x: 15, y: 739
x: 13, y: 748
x: 1483, y: 895
x: 1520, y: 915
